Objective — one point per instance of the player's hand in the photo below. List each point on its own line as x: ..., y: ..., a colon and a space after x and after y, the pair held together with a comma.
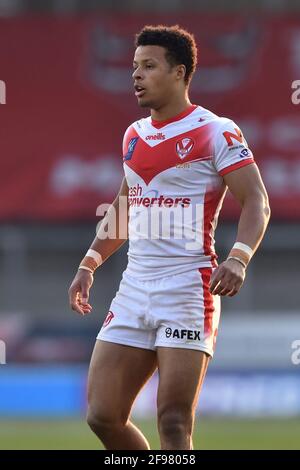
x: 79, y: 292
x: 228, y: 278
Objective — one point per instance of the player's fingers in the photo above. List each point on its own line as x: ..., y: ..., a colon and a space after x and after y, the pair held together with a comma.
x: 72, y: 295
x: 225, y: 285
x: 215, y: 280
x: 87, y: 308
x: 84, y: 294
x: 217, y: 288
x: 76, y: 307
x: 220, y: 288
x: 85, y: 305
x: 85, y: 311
x: 74, y: 299
x: 232, y: 292
x: 226, y: 289
x: 234, y: 287
x: 231, y: 280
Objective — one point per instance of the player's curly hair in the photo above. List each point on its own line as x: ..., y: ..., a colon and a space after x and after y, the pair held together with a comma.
x: 179, y: 43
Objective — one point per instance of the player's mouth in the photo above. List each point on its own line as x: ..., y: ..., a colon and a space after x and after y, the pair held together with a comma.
x: 139, y: 91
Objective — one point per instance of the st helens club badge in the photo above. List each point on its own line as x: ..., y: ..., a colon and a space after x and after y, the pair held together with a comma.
x: 184, y: 147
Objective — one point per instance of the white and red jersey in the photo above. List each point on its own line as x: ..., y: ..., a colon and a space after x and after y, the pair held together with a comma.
x: 174, y: 170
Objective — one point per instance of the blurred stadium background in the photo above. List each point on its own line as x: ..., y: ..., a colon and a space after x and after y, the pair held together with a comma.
x: 67, y: 69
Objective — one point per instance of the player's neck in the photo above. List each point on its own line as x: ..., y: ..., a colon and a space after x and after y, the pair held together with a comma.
x: 171, y: 109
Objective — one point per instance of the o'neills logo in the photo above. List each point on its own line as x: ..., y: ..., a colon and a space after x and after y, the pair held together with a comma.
x: 152, y: 198
x: 158, y: 136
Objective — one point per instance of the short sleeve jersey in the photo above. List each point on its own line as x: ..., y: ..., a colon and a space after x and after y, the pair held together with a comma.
x: 174, y: 171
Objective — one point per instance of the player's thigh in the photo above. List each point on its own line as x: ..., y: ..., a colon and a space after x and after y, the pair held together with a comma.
x: 116, y: 375
x: 181, y: 374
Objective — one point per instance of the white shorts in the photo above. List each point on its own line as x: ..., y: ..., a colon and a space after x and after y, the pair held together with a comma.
x: 175, y: 311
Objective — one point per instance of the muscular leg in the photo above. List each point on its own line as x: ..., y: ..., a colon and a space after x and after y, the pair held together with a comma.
x: 117, y: 373
x: 181, y: 374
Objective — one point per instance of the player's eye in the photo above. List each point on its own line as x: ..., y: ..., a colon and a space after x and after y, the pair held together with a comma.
x: 149, y: 66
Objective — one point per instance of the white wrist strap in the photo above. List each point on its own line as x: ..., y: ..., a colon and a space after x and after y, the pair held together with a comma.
x: 95, y: 255
x: 243, y: 247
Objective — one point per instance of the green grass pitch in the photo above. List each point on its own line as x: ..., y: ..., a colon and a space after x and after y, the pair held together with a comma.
x: 209, y: 434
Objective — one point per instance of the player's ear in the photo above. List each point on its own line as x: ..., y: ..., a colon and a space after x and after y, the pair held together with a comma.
x: 180, y: 71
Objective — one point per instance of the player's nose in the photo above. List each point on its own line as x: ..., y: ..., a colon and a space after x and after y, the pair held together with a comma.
x: 137, y: 74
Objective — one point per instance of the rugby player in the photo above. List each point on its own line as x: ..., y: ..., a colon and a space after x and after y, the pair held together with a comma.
x: 178, y: 164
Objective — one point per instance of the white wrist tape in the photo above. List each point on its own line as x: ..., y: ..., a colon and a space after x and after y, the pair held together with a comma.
x: 243, y: 247
x: 95, y: 255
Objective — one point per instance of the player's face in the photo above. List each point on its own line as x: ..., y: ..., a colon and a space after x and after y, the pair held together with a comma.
x: 155, y: 81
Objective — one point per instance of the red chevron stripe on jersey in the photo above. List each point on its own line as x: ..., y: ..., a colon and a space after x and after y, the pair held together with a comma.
x: 148, y: 162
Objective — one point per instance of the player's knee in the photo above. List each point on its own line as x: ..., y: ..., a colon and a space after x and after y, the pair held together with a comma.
x: 175, y: 422
x: 101, y: 421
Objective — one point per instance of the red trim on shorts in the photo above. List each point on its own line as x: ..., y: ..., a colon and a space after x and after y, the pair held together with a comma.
x: 208, y: 299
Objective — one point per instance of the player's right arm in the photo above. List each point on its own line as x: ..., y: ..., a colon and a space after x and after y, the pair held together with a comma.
x: 102, y: 248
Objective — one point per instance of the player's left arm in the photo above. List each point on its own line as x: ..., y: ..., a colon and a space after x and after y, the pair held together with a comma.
x: 248, y: 189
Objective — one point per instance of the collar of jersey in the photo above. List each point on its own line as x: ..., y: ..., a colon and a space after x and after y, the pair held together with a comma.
x: 186, y: 112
